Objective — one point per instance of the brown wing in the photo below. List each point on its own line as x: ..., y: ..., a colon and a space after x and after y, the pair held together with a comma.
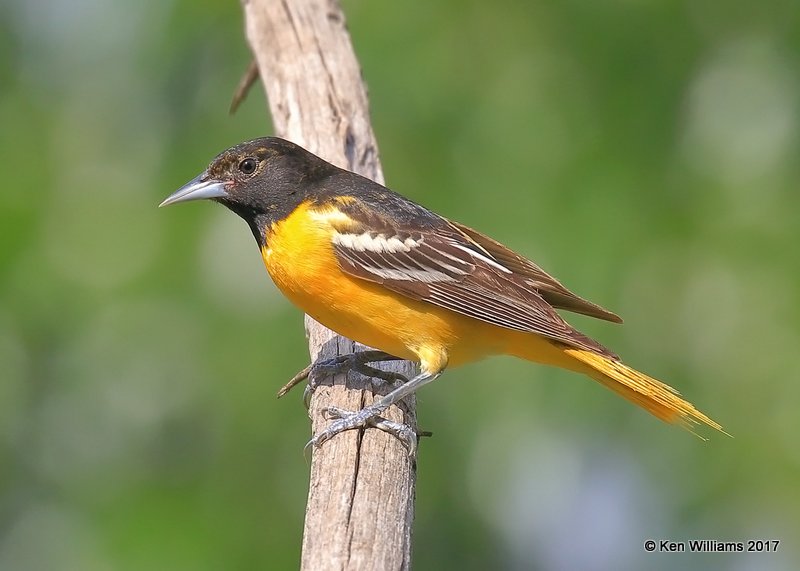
x: 548, y: 287
x: 439, y: 265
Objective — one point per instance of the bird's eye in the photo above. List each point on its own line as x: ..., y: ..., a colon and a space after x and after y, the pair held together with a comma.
x: 248, y: 165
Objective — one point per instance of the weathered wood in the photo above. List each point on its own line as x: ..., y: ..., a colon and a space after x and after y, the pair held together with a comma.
x: 361, y: 494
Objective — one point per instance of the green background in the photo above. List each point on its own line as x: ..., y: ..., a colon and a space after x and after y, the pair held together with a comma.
x: 645, y: 152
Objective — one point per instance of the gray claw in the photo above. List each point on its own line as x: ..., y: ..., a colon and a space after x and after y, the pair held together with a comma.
x: 401, y: 431
x: 369, y: 416
x: 319, y: 370
x: 375, y: 373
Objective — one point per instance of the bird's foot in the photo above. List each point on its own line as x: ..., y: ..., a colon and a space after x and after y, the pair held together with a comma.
x: 366, y: 417
x: 357, y: 362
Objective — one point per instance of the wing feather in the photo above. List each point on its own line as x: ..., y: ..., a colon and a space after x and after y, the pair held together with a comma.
x: 548, y: 287
x: 444, y: 267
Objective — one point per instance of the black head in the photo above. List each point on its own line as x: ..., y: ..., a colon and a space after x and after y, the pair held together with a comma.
x: 261, y: 180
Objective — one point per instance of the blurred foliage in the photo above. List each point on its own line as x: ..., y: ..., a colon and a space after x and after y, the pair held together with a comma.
x: 644, y: 152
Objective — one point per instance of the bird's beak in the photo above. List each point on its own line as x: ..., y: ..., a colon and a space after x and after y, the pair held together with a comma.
x: 196, y: 189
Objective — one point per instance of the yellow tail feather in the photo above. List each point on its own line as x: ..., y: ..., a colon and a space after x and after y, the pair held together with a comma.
x: 658, y: 398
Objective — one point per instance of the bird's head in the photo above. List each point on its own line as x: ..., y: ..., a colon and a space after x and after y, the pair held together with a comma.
x: 261, y: 180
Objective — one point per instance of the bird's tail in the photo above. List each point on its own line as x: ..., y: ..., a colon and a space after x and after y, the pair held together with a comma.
x: 657, y: 398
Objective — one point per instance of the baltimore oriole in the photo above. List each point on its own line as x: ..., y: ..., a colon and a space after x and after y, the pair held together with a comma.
x: 388, y: 273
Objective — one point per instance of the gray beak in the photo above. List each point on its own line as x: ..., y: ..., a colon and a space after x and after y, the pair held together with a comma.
x: 196, y: 189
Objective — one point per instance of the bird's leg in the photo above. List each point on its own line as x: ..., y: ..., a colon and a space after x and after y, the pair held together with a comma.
x: 370, y: 415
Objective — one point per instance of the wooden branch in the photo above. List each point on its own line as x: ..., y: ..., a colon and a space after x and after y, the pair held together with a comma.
x: 361, y: 494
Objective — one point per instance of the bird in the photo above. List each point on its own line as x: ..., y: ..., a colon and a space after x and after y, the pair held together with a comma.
x: 384, y: 271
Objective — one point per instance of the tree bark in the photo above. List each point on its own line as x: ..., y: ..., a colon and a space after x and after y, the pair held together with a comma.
x: 361, y: 493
